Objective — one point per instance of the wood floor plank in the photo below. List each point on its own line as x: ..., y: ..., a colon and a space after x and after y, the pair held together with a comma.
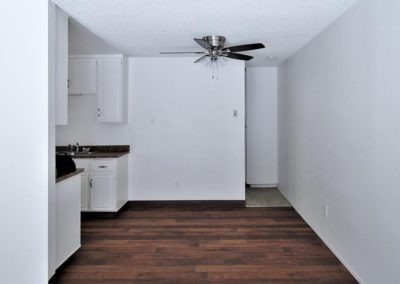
x: 203, y: 243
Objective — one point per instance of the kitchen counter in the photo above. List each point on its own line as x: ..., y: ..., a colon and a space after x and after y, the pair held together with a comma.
x: 98, y: 155
x: 64, y: 177
x: 98, y: 151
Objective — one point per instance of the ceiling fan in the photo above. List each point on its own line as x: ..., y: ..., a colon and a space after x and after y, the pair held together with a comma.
x: 215, y: 49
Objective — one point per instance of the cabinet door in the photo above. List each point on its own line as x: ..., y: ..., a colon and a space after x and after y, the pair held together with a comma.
x: 102, y: 194
x: 82, y: 76
x: 110, y: 89
x: 85, y: 188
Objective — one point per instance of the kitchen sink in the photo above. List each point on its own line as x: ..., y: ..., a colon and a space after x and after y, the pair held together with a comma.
x: 81, y: 154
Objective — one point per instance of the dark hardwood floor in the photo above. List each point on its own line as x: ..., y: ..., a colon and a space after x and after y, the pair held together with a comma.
x: 200, y: 243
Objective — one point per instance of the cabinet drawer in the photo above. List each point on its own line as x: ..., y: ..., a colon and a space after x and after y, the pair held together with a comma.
x: 103, y: 165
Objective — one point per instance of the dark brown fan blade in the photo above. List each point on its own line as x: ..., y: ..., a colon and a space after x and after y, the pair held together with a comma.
x: 202, y: 43
x: 239, y: 56
x: 244, y: 47
x: 184, y: 52
x: 201, y: 58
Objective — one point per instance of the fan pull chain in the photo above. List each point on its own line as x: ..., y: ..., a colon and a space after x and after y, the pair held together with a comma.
x: 215, y: 70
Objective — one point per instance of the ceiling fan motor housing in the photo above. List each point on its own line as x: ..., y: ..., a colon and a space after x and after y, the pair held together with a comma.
x: 217, y: 42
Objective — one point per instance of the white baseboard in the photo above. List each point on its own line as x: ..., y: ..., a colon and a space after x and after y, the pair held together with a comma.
x: 262, y: 185
x: 341, y: 259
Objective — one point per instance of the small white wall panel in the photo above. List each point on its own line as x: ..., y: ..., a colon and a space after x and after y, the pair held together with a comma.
x: 122, y: 181
x: 261, y: 126
x: 85, y: 192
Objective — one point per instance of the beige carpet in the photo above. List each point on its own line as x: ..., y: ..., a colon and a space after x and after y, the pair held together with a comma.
x: 265, y: 197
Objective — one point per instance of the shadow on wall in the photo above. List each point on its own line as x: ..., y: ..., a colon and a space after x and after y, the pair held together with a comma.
x: 83, y: 41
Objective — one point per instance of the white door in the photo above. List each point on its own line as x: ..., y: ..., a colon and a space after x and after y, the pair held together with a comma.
x: 102, y: 191
x: 85, y: 188
x: 82, y: 76
x: 110, y: 89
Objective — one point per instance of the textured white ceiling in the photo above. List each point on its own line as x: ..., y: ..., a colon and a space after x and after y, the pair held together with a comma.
x: 146, y: 27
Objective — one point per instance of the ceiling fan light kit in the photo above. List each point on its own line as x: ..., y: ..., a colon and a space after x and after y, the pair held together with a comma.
x: 215, y: 51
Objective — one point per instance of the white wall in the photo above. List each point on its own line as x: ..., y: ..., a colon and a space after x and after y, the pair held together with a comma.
x: 187, y: 143
x: 261, y: 126
x: 52, y: 105
x: 194, y: 139
x: 339, y: 137
x: 60, y: 24
x: 24, y: 143
x: 83, y: 126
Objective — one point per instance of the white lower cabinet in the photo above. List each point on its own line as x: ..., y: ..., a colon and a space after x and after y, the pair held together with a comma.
x: 104, y: 184
x: 102, y: 193
x: 68, y: 218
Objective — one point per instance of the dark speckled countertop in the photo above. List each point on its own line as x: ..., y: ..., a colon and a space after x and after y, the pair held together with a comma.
x: 64, y: 177
x: 98, y: 155
x: 98, y: 151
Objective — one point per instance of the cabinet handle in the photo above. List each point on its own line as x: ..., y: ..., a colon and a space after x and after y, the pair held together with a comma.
x: 90, y: 183
x: 102, y: 167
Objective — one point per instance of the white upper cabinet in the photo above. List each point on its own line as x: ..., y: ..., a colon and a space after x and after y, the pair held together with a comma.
x: 61, y: 67
x: 110, y: 90
x: 82, y: 78
x: 103, y: 75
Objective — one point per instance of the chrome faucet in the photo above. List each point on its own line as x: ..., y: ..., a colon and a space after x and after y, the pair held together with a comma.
x: 73, y: 148
x: 77, y: 147
x: 70, y: 148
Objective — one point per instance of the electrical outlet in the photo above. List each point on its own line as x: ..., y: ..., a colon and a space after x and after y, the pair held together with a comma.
x: 326, y: 210
x: 177, y: 184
